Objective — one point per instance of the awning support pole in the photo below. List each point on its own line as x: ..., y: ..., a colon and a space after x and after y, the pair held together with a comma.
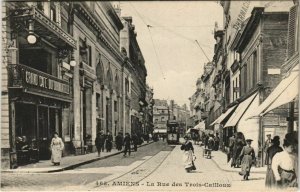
x: 291, y: 117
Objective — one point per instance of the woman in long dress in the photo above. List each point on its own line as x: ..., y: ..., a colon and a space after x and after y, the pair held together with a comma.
x: 270, y: 152
x: 188, y: 149
x: 248, y: 156
x: 57, y: 146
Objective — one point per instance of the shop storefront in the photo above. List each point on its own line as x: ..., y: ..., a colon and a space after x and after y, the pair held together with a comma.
x: 37, y: 101
x: 39, y: 88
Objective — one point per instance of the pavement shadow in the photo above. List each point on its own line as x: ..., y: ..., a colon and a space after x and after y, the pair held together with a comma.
x: 195, y: 172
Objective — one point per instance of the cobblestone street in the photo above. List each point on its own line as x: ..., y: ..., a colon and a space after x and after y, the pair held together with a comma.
x: 170, y: 175
x: 154, y: 167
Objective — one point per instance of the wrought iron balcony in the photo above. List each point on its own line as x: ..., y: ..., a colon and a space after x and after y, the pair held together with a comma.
x: 43, y: 26
x: 38, y: 83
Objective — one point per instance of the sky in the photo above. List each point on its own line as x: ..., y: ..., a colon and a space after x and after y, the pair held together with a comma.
x: 173, y: 59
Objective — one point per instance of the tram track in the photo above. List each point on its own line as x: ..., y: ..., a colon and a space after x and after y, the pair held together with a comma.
x: 138, y: 173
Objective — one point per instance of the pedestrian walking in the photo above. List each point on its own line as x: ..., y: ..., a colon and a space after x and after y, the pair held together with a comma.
x: 164, y: 137
x: 248, y: 156
x: 135, y: 141
x: 119, y: 141
x: 217, y: 142
x: 231, y: 146
x: 56, y: 146
x: 188, y: 158
x: 108, y: 142
x: 284, y: 164
x: 237, y: 148
x: 99, y: 142
x: 210, y: 145
x: 127, y: 143
x: 271, y: 151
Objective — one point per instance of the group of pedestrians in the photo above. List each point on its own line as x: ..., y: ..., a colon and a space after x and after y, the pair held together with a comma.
x: 282, y: 163
x: 241, y: 154
x: 236, y: 144
x: 106, y: 141
x: 211, y: 141
x: 103, y: 141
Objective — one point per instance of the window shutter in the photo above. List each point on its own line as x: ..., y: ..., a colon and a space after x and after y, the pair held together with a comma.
x: 292, y: 31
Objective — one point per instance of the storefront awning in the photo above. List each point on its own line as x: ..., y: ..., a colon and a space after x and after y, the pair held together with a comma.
x: 223, y: 116
x: 200, y: 126
x: 286, y: 91
x: 240, y: 111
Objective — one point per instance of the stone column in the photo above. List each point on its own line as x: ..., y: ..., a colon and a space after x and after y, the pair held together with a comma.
x: 112, y: 98
x: 104, y: 110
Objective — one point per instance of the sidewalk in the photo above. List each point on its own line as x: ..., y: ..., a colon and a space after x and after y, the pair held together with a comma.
x: 220, y: 159
x: 67, y: 163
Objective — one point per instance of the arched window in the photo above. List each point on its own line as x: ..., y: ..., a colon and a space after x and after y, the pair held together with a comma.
x: 100, y: 71
x: 109, y: 79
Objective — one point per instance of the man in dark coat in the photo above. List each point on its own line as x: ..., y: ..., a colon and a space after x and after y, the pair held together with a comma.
x: 99, y: 142
x: 119, y: 141
x: 108, y: 141
x: 217, y: 142
x: 230, y: 146
x: 135, y: 141
x: 127, y: 142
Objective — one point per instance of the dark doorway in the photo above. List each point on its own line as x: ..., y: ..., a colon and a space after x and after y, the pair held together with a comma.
x: 26, y: 121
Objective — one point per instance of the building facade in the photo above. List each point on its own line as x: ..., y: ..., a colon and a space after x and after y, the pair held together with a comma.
x: 65, y: 69
x: 255, y: 51
x: 149, y: 126
x: 161, y: 114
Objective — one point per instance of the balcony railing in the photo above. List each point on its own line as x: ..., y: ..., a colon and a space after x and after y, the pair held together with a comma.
x: 44, y: 26
x: 36, y: 82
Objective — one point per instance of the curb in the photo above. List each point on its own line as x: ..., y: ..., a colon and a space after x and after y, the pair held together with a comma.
x: 235, y: 171
x: 74, y: 165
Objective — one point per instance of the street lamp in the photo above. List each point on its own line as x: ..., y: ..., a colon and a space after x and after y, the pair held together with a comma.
x: 31, y: 38
x: 72, y: 62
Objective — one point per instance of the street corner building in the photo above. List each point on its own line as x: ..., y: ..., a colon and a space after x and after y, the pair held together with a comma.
x: 251, y: 84
x: 74, y: 68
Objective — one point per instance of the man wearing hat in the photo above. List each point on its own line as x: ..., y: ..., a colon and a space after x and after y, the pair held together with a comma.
x: 271, y: 151
x: 248, y: 156
x: 268, y: 142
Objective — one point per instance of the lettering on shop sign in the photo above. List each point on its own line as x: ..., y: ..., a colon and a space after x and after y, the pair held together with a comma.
x: 242, y: 14
x: 44, y: 82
